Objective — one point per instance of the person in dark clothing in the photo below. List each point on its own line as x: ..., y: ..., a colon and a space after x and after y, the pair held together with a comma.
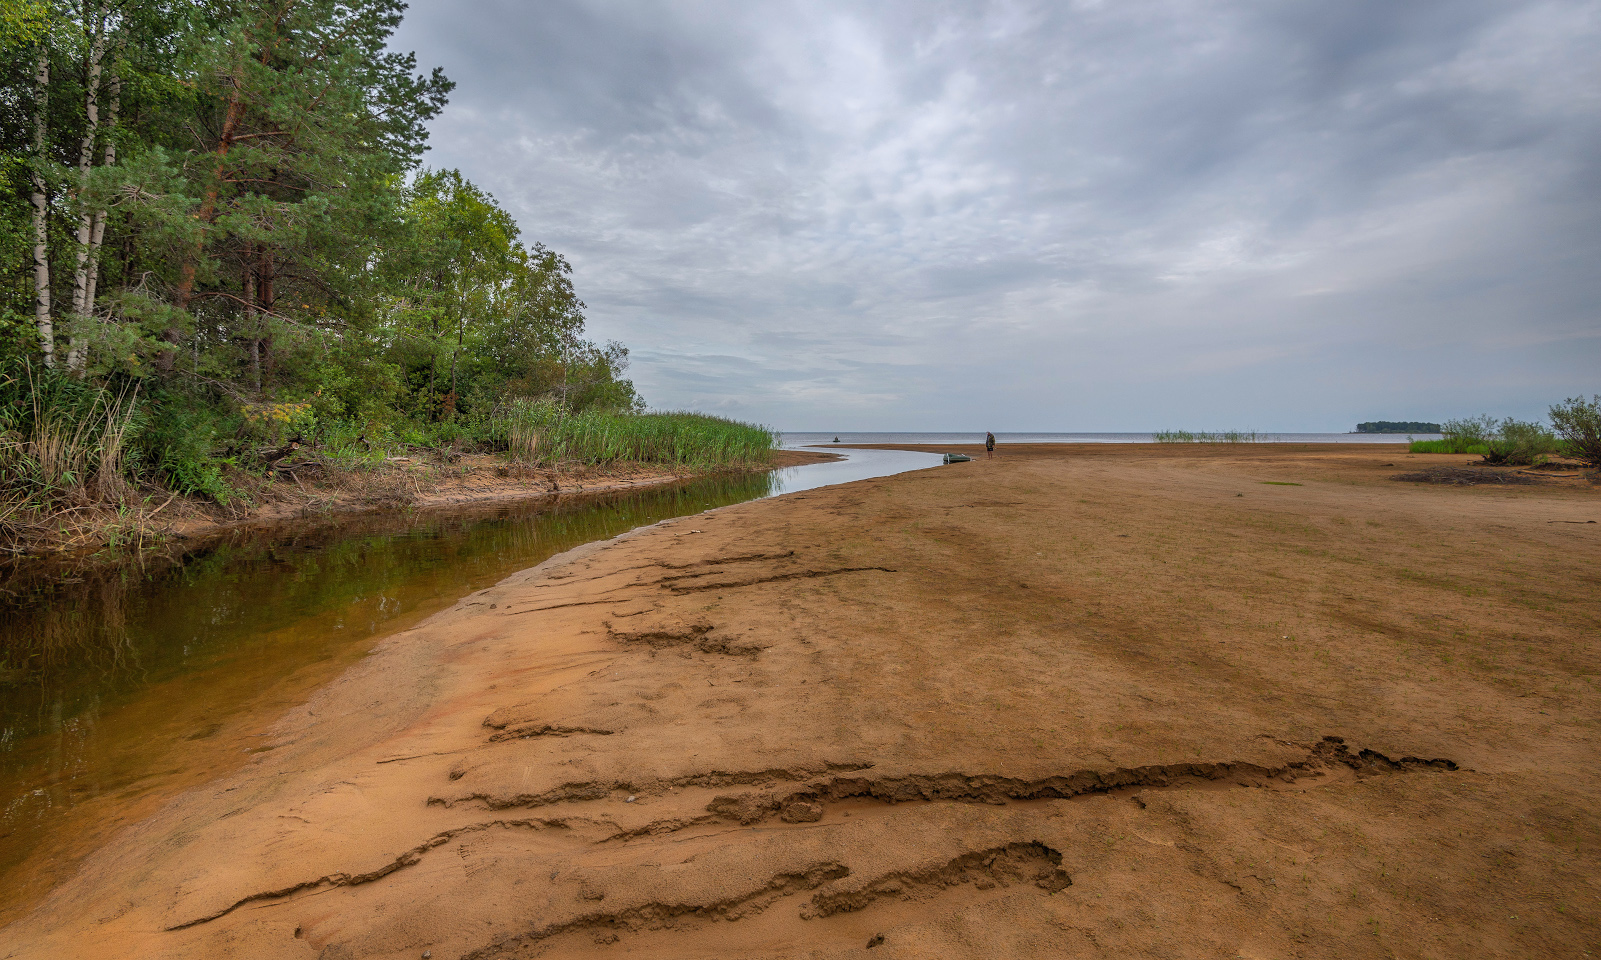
x: 989, y: 445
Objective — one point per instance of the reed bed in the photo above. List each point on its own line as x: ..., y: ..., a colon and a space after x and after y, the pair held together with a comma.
x: 1224, y: 436
x: 545, y: 433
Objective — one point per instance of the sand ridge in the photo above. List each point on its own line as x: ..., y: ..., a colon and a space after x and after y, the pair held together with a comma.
x: 1191, y: 702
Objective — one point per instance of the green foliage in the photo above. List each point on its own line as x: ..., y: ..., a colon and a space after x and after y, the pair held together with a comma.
x: 1578, y: 422
x: 272, y: 262
x: 475, y: 316
x: 1471, y: 430
x: 276, y: 422
x: 1508, y: 441
x: 1520, y: 443
x: 181, y: 444
x: 346, y: 444
x: 1186, y: 436
x: 22, y: 23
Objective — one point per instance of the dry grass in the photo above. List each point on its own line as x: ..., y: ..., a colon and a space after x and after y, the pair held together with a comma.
x: 63, y: 482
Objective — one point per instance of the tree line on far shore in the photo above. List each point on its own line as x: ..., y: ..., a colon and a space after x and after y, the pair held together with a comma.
x: 1398, y: 426
x: 215, y: 235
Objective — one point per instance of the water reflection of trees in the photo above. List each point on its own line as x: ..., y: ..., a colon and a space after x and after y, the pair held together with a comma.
x: 73, y: 624
x: 82, y: 621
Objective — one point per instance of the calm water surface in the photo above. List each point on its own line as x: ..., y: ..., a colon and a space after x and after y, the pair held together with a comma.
x: 825, y: 439
x: 120, y: 688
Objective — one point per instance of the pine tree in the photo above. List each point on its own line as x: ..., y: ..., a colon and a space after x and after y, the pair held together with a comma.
x: 307, y: 120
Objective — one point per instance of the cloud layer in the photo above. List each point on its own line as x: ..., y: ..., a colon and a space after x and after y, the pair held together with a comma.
x: 1058, y: 216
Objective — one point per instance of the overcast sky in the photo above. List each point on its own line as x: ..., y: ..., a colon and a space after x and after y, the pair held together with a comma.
x: 1054, y: 216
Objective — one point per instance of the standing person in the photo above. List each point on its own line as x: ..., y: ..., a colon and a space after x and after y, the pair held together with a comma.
x: 989, y: 445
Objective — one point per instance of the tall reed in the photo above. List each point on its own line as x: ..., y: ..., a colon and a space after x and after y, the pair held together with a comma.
x: 545, y: 432
x: 1225, y: 436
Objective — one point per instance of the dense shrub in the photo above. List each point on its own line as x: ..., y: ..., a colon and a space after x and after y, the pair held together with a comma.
x: 1470, y: 430
x: 1578, y: 422
x: 180, y: 446
x: 1508, y: 441
x: 1520, y: 443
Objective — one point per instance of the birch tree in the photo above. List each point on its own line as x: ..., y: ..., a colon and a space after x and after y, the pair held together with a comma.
x: 314, y: 118
x: 39, y: 199
x: 217, y: 197
x: 94, y: 25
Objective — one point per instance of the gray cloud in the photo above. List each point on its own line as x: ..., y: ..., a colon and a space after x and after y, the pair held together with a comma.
x: 1076, y: 216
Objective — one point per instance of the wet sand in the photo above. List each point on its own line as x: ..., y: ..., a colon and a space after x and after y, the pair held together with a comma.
x: 1076, y: 701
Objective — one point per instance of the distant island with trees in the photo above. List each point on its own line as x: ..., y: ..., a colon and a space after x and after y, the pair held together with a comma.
x: 1398, y: 426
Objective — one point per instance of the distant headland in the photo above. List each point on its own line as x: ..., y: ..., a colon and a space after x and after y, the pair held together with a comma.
x: 1398, y: 426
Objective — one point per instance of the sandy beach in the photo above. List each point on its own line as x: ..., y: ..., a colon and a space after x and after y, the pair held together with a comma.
x: 1079, y: 700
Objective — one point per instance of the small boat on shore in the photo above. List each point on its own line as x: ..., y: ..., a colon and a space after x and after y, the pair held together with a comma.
x: 957, y: 458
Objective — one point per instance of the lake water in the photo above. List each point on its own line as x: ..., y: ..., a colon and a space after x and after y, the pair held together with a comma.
x: 801, y: 439
x: 121, y: 687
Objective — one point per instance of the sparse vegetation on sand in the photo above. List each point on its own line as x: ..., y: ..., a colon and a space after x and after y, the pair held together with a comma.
x: 1224, y: 436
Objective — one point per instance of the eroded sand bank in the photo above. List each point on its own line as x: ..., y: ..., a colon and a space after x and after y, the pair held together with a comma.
x: 1071, y: 702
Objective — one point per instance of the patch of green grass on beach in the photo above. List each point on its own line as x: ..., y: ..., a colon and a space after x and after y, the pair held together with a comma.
x: 1449, y: 445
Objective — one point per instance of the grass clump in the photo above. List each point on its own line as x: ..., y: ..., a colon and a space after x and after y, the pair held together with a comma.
x: 1224, y: 436
x: 1447, y: 446
x: 544, y: 432
x: 66, y: 449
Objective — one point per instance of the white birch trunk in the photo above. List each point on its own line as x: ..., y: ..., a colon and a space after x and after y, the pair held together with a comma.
x: 91, y: 110
x: 40, y: 200
x: 99, y: 232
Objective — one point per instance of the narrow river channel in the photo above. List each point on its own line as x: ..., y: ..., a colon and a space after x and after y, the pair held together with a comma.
x: 121, y: 688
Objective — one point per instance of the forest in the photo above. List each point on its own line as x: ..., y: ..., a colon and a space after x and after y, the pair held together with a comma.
x: 216, y: 235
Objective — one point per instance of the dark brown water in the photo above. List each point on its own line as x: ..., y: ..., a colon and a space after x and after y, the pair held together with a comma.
x: 120, y: 689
